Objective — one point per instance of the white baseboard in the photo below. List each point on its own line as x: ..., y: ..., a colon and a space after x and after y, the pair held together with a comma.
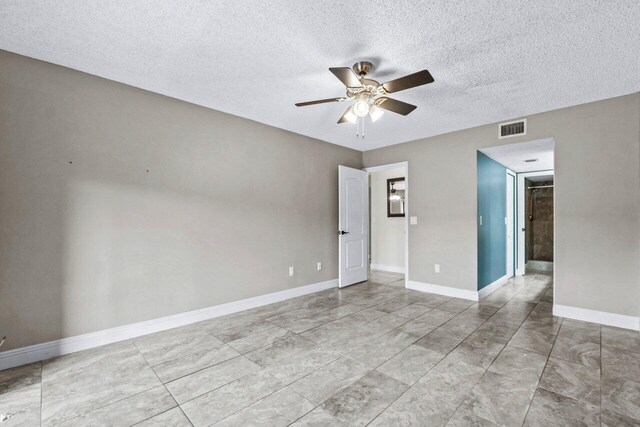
x: 492, y: 287
x: 47, y: 350
x: 388, y: 268
x: 442, y: 290
x: 601, y: 317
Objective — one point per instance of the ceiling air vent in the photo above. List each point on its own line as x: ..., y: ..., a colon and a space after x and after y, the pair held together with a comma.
x: 509, y: 129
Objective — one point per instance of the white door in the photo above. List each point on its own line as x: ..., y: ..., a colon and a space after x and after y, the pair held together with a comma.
x: 511, y: 184
x: 353, y: 223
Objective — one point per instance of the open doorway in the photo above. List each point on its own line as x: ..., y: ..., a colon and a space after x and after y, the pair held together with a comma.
x: 388, y: 205
x: 389, y: 252
x: 535, y: 217
x: 515, y: 212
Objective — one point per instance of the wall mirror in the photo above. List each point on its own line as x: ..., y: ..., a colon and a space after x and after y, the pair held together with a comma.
x: 395, y: 197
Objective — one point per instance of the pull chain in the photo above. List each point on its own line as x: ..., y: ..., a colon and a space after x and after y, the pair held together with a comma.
x: 360, y: 127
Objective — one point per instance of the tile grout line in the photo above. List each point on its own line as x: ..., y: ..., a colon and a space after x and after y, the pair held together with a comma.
x: 545, y: 364
x: 41, y: 389
x: 161, y: 382
x: 262, y: 368
x: 342, y: 317
x: 224, y: 344
x: 498, y: 355
x: 555, y: 338
x: 197, y: 370
x: 115, y: 401
x: 313, y: 403
x: 418, y: 380
x: 165, y: 387
x: 215, y: 388
x: 601, y: 375
x: 265, y: 317
x: 111, y: 403
x: 164, y: 412
x: 271, y: 394
x: 254, y: 402
x: 185, y: 415
x: 344, y: 356
x: 486, y: 320
x: 324, y: 311
x: 243, y: 376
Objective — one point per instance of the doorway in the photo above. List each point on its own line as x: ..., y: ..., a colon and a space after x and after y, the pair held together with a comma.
x: 387, y: 213
x: 508, y: 177
x: 535, y: 222
x: 376, y: 201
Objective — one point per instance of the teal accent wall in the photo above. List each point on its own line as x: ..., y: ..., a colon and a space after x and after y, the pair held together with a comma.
x: 492, y: 234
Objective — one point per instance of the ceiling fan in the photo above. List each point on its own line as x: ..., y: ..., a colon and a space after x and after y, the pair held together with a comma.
x: 369, y: 95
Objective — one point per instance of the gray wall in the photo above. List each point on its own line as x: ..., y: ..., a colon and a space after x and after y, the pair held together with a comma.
x: 89, y: 240
x: 597, y: 222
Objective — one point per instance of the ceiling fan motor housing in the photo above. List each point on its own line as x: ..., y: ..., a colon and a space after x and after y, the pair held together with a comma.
x: 362, y: 68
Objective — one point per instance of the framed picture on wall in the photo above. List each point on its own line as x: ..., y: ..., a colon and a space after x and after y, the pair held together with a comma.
x: 395, y: 197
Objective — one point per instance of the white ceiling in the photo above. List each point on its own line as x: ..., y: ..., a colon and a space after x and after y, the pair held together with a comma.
x: 513, y: 156
x: 492, y: 60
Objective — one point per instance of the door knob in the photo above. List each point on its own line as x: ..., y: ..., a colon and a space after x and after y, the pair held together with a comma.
x: 342, y: 232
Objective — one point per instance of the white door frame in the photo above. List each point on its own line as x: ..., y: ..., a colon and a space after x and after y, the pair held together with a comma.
x: 404, y: 165
x: 511, y: 248
x: 520, y: 270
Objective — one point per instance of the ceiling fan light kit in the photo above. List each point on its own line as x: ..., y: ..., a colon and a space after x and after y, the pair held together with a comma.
x: 375, y: 112
x: 350, y: 116
x: 369, y: 95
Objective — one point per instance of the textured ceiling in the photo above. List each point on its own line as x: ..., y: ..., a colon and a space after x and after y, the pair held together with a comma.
x: 513, y: 156
x: 491, y: 60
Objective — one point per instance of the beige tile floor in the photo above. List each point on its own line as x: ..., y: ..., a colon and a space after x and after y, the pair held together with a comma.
x: 374, y: 353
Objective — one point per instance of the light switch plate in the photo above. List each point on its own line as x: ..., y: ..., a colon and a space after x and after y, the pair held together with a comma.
x: 436, y: 268
x: 319, y: 266
x: 290, y: 271
x: 413, y: 220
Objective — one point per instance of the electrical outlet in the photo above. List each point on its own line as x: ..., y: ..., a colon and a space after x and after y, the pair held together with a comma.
x: 319, y: 266
x: 290, y: 271
x: 436, y: 268
x: 413, y: 220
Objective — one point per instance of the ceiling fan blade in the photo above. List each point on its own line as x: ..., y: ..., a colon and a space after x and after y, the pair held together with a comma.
x: 320, y: 101
x: 395, y: 106
x: 407, y: 82
x: 343, y: 118
x: 346, y: 76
